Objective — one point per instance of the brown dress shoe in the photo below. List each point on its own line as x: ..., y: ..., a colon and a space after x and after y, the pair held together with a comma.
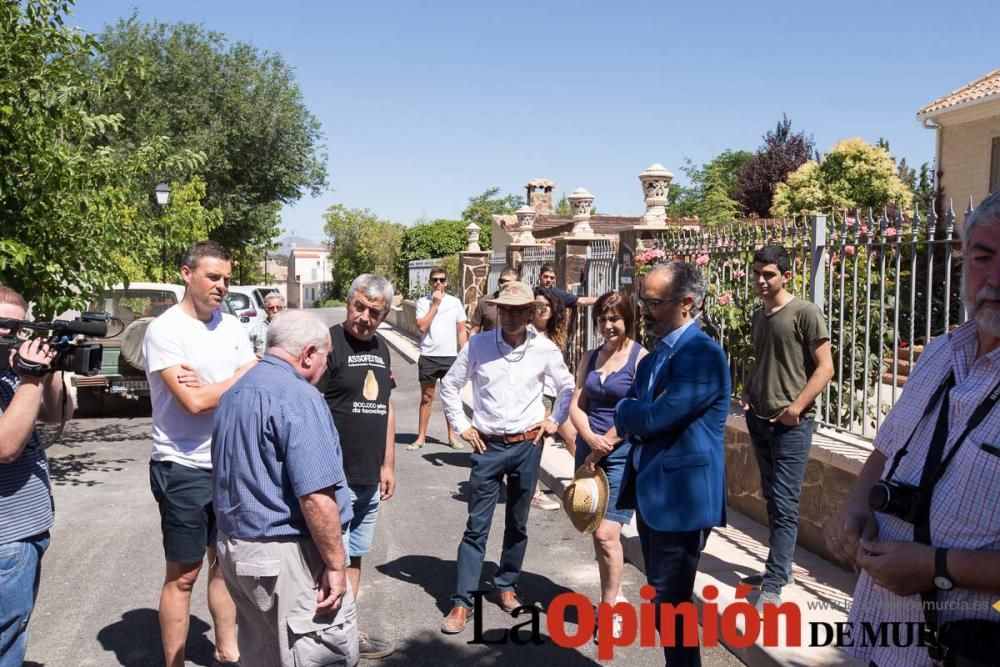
x: 455, y: 621
x: 508, y: 601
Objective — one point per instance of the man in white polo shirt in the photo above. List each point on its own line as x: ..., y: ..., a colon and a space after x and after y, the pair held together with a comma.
x: 441, y: 320
x: 193, y: 354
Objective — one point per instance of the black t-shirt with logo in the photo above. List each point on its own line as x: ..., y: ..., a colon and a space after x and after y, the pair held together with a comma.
x: 356, y: 386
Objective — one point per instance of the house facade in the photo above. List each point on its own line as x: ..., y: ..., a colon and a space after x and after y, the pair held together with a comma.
x: 309, y: 273
x: 967, y: 122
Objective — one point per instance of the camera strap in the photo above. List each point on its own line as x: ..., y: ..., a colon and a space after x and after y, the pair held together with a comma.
x: 933, y: 470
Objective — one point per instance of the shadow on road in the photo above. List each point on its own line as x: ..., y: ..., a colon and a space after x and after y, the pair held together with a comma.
x: 77, y: 433
x: 449, y: 457
x: 437, y: 578
x: 442, y: 650
x: 69, y: 470
x: 135, y: 640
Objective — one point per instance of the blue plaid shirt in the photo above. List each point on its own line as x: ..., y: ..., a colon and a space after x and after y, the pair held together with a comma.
x: 274, y: 442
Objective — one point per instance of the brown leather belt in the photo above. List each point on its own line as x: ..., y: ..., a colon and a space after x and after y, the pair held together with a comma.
x: 512, y: 439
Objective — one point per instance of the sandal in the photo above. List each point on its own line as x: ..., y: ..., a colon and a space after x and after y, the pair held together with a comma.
x: 414, y: 446
x: 456, y: 443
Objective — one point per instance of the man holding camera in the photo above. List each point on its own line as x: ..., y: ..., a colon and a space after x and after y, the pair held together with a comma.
x: 923, y: 521
x: 26, y: 512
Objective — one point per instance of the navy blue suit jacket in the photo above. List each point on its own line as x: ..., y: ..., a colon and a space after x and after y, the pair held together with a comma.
x: 680, y: 482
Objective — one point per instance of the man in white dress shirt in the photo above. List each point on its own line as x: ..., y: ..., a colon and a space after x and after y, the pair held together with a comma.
x: 507, y: 367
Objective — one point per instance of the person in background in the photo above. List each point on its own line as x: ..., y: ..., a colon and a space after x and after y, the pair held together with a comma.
x: 484, y: 317
x: 274, y: 303
x: 441, y: 320
x: 550, y: 321
x: 547, y: 278
x: 792, y: 365
x: 603, y: 378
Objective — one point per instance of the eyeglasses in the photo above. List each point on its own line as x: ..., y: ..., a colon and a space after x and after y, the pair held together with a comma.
x: 653, y: 303
x: 516, y: 310
x: 503, y: 281
x: 439, y: 280
x: 274, y: 309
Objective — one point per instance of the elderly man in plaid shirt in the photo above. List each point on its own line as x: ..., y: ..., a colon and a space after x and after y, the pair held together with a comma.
x: 942, y: 435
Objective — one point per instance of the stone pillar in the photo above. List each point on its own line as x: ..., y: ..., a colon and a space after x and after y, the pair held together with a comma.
x: 515, y: 251
x: 655, y: 186
x: 540, y: 195
x: 582, y: 202
x: 473, y: 233
x: 474, y: 268
x: 525, y: 223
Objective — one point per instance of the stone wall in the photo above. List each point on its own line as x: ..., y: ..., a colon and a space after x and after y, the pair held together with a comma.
x: 474, y: 268
x: 830, y: 476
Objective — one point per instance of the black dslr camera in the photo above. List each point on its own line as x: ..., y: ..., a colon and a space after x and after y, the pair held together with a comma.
x: 79, y: 358
x: 896, y: 499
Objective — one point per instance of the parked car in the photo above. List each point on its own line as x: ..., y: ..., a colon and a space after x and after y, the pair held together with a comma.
x: 248, y: 300
x: 123, y: 371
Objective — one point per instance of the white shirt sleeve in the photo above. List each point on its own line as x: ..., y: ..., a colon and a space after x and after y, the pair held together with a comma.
x: 461, y: 310
x: 451, y: 391
x: 423, y: 305
x: 162, y: 348
x: 564, y: 384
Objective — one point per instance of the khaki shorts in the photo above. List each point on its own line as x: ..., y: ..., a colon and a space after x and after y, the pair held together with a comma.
x: 274, y: 587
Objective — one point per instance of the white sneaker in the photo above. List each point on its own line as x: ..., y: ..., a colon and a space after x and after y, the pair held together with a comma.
x: 543, y: 502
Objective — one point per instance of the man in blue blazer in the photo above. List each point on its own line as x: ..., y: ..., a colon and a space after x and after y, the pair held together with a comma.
x: 675, y: 417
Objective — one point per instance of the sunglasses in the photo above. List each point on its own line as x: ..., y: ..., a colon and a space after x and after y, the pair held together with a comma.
x: 274, y: 309
x: 439, y: 280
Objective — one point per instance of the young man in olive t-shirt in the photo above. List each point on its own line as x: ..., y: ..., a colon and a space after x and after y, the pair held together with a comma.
x: 792, y: 365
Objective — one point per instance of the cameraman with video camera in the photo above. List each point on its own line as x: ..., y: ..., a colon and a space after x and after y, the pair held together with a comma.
x: 25, y: 493
x: 923, y: 520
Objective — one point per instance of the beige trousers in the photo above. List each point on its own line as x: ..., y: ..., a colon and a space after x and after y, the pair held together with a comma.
x: 273, y: 584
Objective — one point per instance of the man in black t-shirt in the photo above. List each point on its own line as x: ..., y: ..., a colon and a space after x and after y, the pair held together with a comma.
x: 547, y: 278
x: 356, y: 385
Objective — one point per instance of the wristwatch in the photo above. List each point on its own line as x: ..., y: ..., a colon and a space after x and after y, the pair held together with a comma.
x: 941, y: 579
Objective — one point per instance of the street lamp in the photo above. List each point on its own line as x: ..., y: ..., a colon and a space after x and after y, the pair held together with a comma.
x: 162, y: 193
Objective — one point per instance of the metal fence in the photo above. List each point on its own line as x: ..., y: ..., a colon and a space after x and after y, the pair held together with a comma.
x: 497, y: 262
x: 532, y: 260
x: 885, y: 286
x: 419, y: 273
x: 600, y: 276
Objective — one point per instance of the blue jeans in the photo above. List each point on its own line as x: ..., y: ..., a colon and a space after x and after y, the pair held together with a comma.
x: 519, y: 463
x: 782, y: 454
x: 671, y: 565
x: 20, y: 571
x: 358, y: 535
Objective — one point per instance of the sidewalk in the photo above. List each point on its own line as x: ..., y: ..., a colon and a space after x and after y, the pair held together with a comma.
x: 822, y: 590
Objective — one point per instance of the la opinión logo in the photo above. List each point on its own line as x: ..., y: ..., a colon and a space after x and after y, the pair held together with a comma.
x: 737, y: 626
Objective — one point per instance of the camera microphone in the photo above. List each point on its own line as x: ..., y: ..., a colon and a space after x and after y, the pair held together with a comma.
x: 95, y: 329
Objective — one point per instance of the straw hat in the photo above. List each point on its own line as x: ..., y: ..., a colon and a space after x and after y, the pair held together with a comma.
x: 586, y: 499
x: 514, y: 293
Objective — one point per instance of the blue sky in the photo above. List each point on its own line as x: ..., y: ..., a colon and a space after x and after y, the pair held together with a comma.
x: 424, y: 104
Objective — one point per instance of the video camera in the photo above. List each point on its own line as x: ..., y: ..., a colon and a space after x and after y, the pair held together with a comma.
x: 79, y: 358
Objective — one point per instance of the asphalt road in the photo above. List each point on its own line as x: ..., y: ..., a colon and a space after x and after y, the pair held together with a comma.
x: 102, y: 573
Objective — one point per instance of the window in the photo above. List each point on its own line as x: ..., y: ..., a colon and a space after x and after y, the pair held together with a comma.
x: 995, y: 166
x: 315, y: 275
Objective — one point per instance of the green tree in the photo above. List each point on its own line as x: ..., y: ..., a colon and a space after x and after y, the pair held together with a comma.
x: 238, y: 106
x: 712, y: 188
x: 563, y: 207
x: 716, y: 206
x: 781, y: 153
x: 360, y: 242
x: 854, y: 175
x: 483, y: 207
x: 70, y: 208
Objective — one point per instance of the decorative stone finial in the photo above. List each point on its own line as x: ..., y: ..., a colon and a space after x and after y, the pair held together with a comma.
x: 525, y: 223
x: 581, y: 202
x: 473, y: 233
x: 655, y: 186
